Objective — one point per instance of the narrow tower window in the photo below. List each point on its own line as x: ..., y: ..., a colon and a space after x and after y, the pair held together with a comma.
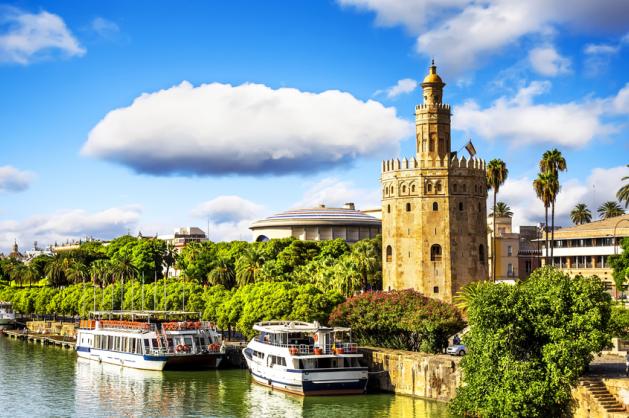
x: 389, y: 253
x: 435, y: 252
x: 481, y: 254
x: 408, y: 207
x: 435, y: 206
x: 438, y: 187
x: 461, y: 206
x: 454, y: 186
x: 388, y: 208
x: 403, y: 189
x: 429, y: 187
x: 413, y: 188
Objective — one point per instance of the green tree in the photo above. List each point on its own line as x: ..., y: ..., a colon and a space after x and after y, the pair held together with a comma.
x: 581, y: 214
x: 553, y: 162
x: 368, y: 263
x: 56, y: 270
x: 610, y: 209
x: 620, y: 265
x: 497, y: 173
x: 222, y: 274
x: 529, y: 343
x: 502, y: 210
x: 623, y: 192
x: 76, y: 272
x: 545, y: 186
x: 249, y: 266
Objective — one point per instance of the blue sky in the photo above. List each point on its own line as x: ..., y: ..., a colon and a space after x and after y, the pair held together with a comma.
x: 250, y: 108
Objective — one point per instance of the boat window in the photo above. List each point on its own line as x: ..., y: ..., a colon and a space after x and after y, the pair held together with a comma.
x: 324, y: 363
x: 280, y: 361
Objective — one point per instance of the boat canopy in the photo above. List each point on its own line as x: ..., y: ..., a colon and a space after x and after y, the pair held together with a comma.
x: 148, y: 315
x: 279, y: 327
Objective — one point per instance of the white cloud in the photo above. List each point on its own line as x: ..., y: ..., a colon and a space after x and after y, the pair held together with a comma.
x: 518, y: 119
x: 68, y: 225
x: 14, y: 180
x: 334, y: 192
x: 105, y: 28
x: 593, y: 49
x: 25, y: 36
x: 547, y: 61
x: 228, y: 209
x: 230, y: 231
x: 620, y: 103
x: 218, y: 129
x: 462, y: 34
x: 404, y: 86
x: 600, y: 186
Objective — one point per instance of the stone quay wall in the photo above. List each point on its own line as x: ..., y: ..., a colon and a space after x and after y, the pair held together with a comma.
x: 432, y: 376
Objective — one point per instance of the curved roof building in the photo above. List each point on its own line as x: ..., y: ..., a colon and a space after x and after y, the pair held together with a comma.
x: 321, y: 223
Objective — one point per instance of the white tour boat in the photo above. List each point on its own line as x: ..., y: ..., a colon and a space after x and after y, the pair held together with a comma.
x: 149, y: 340
x: 305, y: 358
x: 7, y: 316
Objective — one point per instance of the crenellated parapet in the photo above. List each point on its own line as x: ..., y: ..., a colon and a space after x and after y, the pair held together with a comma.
x: 476, y: 165
x: 435, y: 106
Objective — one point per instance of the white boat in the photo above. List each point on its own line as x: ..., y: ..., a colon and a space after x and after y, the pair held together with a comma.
x: 140, y: 340
x: 7, y: 316
x: 305, y: 358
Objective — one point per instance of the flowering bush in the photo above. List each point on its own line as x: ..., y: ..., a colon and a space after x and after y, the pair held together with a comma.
x: 403, y: 319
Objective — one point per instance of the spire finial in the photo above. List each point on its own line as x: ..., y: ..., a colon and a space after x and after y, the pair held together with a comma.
x: 433, y: 61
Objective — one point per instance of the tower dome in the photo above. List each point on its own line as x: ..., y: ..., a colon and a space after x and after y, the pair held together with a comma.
x: 433, y: 77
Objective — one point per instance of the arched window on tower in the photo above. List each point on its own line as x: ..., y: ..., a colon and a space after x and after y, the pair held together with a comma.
x: 389, y: 253
x: 435, y: 206
x: 408, y: 207
x: 429, y: 187
x: 403, y: 189
x: 413, y: 188
x: 454, y: 187
x: 481, y: 254
x: 435, y: 252
x: 438, y: 186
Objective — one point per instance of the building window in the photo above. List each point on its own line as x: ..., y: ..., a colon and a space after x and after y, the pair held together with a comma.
x: 454, y: 187
x: 403, y: 189
x: 509, y: 269
x: 408, y: 207
x: 388, y: 208
x: 389, y: 253
x: 461, y: 206
x: 429, y: 187
x: 479, y: 206
x: 438, y: 186
x: 527, y: 266
x: 413, y: 188
x: 435, y: 206
x: 464, y: 188
x: 509, y: 250
x: 435, y: 289
x: 481, y: 253
x: 435, y: 252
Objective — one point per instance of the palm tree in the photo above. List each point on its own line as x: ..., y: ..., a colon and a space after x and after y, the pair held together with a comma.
x: 623, y: 192
x: 347, y: 278
x: 553, y: 162
x: 76, y: 271
x: 544, y: 185
x: 249, y: 265
x: 496, y: 176
x: 100, y: 271
x: 366, y: 261
x: 610, y: 209
x: 502, y: 210
x: 17, y: 272
x: 122, y: 268
x: 56, y: 270
x: 169, y: 257
x: 581, y: 214
x: 222, y: 274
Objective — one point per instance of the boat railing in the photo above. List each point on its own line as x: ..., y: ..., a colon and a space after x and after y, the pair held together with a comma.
x: 188, y: 325
x: 124, y: 325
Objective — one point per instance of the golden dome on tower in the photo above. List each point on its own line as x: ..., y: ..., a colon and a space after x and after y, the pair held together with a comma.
x: 432, y: 76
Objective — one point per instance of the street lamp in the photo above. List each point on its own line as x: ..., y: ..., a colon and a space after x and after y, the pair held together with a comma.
x: 614, y: 237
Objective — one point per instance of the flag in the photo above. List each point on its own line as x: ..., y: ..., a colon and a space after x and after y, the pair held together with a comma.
x: 470, y: 148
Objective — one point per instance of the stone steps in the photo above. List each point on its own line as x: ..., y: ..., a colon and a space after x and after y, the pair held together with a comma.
x: 603, y: 397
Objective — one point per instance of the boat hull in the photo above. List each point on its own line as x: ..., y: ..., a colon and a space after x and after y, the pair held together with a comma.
x: 194, y: 361
x: 135, y: 361
x: 315, y: 388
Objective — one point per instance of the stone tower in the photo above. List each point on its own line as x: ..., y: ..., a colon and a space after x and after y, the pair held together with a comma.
x: 434, y: 229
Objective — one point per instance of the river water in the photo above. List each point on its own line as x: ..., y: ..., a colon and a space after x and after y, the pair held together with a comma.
x: 48, y: 381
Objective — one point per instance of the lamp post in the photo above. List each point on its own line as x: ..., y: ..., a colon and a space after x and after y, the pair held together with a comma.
x: 622, y: 291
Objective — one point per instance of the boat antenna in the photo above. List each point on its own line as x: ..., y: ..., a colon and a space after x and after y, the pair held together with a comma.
x: 142, y: 291
x: 164, y: 304
x: 132, y: 295
x: 155, y: 292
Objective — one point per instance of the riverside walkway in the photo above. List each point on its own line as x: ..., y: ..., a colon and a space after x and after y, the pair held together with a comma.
x: 58, y: 340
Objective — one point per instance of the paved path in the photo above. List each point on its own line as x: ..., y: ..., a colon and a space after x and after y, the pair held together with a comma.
x: 607, y: 365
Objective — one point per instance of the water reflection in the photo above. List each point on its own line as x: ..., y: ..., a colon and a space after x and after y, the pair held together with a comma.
x: 44, y: 381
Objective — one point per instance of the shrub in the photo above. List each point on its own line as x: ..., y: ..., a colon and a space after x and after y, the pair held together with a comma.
x: 403, y: 319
